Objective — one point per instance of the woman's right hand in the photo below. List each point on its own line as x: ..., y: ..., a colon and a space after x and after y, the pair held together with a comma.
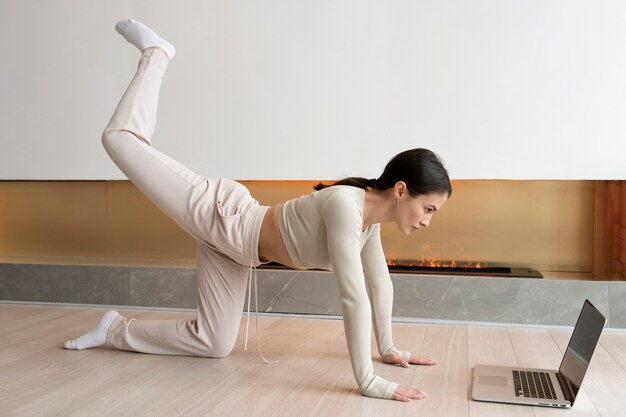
x: 406, y: 394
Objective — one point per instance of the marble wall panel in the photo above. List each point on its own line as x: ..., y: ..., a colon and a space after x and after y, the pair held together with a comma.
x: 272, y: 284
x: 65, y: 284
x: 312, y: 292
x: 617, y: 302
x: 163, y: 287
x: 510, y: 300
x: 422, y: 297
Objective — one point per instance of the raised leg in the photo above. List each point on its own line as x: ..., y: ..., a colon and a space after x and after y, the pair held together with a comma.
x: 176, y: 190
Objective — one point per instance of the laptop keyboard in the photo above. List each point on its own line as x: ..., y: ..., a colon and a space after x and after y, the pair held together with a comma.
x: 531, y: 384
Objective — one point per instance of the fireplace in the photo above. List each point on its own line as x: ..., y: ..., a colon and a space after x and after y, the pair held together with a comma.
x: 469, y: 269
x: 446, y: 268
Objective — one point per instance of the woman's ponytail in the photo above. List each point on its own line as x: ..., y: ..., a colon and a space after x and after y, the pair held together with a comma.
x: 421, y: 170
x: 352, y: 181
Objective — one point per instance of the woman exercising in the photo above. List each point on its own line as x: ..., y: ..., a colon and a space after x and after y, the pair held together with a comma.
x: 334, y: 228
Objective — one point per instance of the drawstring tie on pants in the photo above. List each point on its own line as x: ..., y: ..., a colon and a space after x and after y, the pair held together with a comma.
x: 256, y: 306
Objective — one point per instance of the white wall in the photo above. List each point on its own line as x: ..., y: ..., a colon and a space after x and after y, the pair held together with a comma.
x: 304, y: 89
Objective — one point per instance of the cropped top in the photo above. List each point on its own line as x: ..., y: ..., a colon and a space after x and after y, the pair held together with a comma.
x: 324, y: 230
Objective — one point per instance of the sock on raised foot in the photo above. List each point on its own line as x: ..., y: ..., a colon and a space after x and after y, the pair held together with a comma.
x: 143, y: 37
x: 96, y: 337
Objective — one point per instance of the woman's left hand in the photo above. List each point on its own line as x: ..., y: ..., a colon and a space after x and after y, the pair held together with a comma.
x: 415, y: 360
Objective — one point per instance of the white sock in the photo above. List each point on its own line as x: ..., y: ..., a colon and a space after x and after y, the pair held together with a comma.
x: 143, y: 37
x: 96, y: 337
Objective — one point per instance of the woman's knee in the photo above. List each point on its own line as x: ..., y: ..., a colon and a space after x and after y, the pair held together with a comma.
x: 216, y: 342
x: 116, y: 139
x: 218, y: 348
x: 111, y: 138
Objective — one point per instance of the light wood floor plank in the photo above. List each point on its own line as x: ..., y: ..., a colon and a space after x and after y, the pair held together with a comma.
x: 446, y: 383
x: 263, y: 395
x: 241, y: 382
x: 322, y: 361
x: 615, y: 343
x: 491, y: 346
x: 30, y: 335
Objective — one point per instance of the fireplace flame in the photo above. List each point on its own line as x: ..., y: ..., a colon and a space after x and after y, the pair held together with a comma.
x: 429, y: 259
x: 434, y: 263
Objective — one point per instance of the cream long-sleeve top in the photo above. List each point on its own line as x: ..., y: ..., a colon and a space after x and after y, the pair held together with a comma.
x: 324, y: 230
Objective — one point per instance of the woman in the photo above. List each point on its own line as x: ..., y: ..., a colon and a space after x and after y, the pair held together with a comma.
x: 335, y: 228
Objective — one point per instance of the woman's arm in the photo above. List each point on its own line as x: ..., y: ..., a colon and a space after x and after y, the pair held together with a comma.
x: 343, y: 220
x: 381, y: 295
x: 381, y: 298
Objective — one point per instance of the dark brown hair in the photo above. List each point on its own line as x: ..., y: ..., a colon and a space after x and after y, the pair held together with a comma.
x: 421, y: 169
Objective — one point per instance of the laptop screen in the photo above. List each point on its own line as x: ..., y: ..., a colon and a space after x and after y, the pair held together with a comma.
x: 582, y: 344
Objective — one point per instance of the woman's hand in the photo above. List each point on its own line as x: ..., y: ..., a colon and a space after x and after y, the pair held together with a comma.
x: 403, y: 392
x: 406, y: 394
x: 394, y: 359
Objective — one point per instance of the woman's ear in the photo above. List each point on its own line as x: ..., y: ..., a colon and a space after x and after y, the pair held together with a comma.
x: 399, y: 189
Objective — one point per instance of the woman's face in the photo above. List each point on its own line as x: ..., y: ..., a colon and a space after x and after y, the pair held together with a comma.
x: 413, y: 213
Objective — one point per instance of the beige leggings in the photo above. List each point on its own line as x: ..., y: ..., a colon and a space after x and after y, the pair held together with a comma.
x: 220, y: 214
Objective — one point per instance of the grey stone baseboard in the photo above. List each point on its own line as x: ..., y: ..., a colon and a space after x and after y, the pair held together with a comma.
x: 472, y: 299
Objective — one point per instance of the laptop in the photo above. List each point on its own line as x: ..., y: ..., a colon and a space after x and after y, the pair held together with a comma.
x: 544, y: 387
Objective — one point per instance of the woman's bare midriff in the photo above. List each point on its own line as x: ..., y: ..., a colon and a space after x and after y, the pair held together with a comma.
x: 271, y: 245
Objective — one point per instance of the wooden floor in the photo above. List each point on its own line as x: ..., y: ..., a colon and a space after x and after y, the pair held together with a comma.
x: 313, y: 377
